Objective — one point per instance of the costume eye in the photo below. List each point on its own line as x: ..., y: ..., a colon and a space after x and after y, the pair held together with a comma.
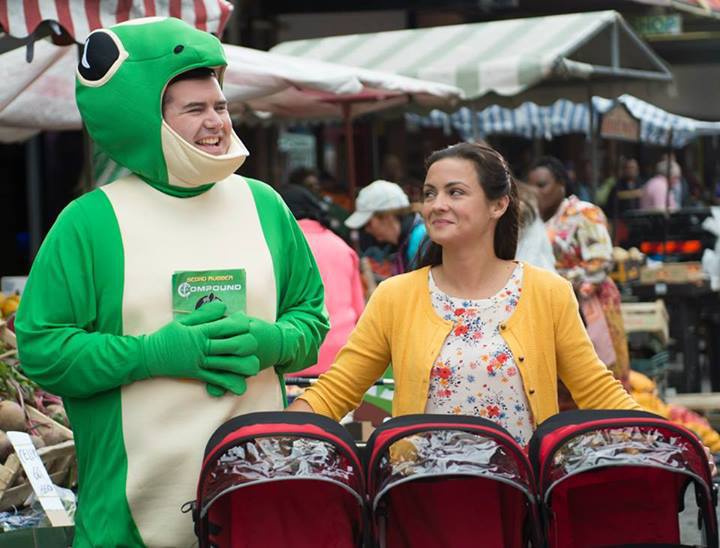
x: 102, y: 56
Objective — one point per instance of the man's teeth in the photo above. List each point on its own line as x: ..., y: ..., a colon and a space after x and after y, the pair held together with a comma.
x: 208, y: 141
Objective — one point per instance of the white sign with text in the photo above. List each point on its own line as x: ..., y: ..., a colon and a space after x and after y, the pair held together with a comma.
x: 39, y: 479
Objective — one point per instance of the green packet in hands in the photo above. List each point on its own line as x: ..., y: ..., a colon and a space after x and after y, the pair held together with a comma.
x: 190, y: 290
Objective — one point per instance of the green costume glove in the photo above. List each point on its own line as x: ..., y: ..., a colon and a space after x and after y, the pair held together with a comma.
x: 205, y: 346
x: 266, y: 342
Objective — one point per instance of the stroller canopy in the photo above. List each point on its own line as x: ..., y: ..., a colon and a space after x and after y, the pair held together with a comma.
x: 267, y: 477
x: 577, y: 441
x: 437, y: 480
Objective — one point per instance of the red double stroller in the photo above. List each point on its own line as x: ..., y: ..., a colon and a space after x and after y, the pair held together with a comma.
x: 280, y: 479
x: 597, y: 478
x: 611, y: 478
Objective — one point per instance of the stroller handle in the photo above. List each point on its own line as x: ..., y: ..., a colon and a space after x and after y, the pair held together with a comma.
x: 307, y: 381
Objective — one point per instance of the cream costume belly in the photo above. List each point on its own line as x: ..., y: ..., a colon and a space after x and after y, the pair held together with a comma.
x: 218, y: 229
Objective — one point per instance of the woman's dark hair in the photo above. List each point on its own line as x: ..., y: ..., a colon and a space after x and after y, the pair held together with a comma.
x: 554, y: 166
x: 496, y: 181
x: 303, y: 204
x: 298, y: 175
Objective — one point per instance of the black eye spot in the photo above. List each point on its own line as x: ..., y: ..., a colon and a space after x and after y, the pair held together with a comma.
x: 178, y: 49
x: 99, y: 54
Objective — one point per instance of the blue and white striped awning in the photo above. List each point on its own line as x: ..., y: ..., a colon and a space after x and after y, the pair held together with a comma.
x: 565, y: 117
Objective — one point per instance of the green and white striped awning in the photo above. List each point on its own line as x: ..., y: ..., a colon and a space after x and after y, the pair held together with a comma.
x: 504, y: 58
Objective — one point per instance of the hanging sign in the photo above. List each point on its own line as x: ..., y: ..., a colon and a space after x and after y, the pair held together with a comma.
x: 653, y: 25
x: 617, y: 123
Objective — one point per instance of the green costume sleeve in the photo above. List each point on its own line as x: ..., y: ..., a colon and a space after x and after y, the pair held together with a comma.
x: 57, y: 323
x: 301, y: 316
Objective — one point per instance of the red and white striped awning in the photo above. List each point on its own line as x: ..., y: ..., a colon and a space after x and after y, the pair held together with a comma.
x: 20, y: 18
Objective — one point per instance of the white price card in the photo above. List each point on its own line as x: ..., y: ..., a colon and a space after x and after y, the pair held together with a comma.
x: 39, y: 479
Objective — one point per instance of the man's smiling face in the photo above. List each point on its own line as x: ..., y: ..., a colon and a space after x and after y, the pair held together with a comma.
x: 197, y: 110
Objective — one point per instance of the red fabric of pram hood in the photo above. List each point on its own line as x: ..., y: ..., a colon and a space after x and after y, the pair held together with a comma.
x: 696, y: 459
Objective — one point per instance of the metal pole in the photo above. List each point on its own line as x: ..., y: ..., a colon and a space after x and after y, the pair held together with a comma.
x: 349, y: 151
x: 374, y: 143
x: 593, y: 145
x: 474, y: 122
x: 615, y: 46
x: 666, y: 213
x: 33, y: 161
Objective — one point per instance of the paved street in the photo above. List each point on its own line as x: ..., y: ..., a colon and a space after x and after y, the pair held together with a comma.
x: 690, y: 534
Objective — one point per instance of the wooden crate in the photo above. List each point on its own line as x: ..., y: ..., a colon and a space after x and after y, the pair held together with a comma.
x: 703, y: 402
x: 673, y: 273
x: 7, y: 336
x: 59, y: 460
x: 646, y: 318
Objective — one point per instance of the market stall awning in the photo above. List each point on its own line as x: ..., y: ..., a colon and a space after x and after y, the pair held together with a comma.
x: 503, y: 59
x: 529, y: 120
x: 308, y: 89
x: 20, y: 18
x: 564, y: 117
x: 41, y: 95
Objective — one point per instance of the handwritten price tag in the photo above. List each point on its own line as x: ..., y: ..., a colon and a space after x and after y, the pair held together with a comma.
x: 39, y: 479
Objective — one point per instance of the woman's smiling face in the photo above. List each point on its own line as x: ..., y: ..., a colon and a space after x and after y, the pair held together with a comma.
x: 455, y: 207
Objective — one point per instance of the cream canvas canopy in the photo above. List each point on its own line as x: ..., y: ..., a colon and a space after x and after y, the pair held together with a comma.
x: 538, y: 59
x: 41, y: 95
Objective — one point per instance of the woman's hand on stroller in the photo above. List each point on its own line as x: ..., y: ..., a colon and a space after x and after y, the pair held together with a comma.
x: 711, y: 460
x: 301, y: 406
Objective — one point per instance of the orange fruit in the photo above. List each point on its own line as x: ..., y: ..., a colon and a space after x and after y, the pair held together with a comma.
x: 10, y: 305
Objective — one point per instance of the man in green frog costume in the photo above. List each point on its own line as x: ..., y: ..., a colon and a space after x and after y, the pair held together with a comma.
x: 145, y: 389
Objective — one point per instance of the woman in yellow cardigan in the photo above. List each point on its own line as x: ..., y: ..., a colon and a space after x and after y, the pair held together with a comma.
x: 473, y: 332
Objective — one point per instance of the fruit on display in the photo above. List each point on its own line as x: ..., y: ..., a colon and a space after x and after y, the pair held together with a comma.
x: 9, y: 304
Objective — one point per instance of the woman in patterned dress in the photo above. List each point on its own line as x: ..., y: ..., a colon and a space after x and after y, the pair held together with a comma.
x: 583, y: 255
x: 472, y: 331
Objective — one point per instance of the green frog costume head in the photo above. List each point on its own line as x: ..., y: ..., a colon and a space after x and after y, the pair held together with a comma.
x: 121, y: 79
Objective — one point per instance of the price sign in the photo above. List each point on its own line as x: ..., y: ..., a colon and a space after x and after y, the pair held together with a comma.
x: 39, y: 479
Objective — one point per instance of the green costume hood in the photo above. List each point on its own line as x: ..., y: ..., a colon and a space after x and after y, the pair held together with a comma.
x: 121, y: 79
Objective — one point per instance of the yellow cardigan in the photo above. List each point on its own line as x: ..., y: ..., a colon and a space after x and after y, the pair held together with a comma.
x: 545, y: 335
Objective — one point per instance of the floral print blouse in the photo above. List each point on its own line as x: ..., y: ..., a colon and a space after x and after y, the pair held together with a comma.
x: 475, y: 372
